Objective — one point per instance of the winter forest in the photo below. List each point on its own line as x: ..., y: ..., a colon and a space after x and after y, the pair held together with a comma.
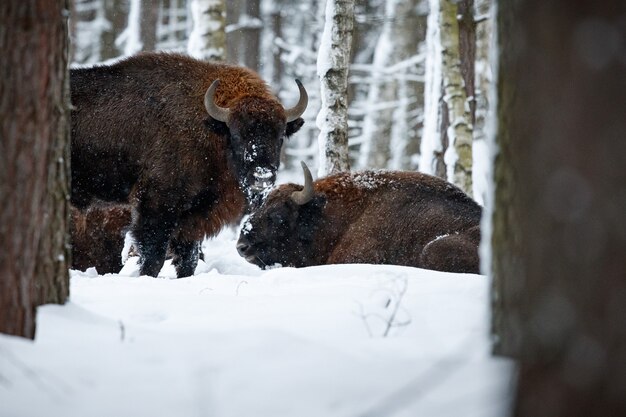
x: 388, y: 64
x: 472, y: 153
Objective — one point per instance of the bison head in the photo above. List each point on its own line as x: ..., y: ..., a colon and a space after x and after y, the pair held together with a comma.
x: 282, y: 230
x: 257, y: 126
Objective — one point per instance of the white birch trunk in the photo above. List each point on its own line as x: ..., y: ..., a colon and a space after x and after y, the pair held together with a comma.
x: 332, y: 68
x: 458, y: 155
x: 131, y: 37
x: 207, y: 40
x: 431, y: 138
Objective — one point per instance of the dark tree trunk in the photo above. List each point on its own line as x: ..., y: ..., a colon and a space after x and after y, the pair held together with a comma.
x: 559, y: 229
x: 277, y: 33
x: 148, y: 23
x: 252, y: 36
x: 233, y: 37
x: 467, y: 48
x: 34, y: 159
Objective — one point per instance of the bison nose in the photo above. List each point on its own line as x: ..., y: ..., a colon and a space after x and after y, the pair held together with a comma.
x: 242, y: 248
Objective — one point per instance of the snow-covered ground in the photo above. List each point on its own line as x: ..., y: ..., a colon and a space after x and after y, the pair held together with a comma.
x: 237, y: 341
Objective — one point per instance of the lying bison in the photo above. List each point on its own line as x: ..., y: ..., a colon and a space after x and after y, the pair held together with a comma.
x: 188, y: 144
x: 402, y: 218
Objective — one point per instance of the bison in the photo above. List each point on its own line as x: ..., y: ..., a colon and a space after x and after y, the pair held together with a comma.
x: 189, y: 145
x: 379, y: 217
x: 97, y: 236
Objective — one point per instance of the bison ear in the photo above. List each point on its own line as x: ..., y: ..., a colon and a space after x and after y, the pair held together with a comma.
x: 217, y: 127
x: 293, y: 127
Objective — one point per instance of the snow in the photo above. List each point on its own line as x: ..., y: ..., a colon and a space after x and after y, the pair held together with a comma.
x: 234, y: 340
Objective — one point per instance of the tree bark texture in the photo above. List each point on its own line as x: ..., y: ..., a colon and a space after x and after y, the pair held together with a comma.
x: 34, y: 160
x: 559, y: 234
x: 458, y: 155
x: 332, y: 68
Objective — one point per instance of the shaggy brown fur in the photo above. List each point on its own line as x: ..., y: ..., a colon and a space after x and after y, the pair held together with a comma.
x: 380, y: 217
x: 98, y: 237
x: 141, y: 135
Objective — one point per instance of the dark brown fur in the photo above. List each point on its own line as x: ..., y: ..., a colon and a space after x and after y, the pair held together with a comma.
x: 98, y: 237
x: 141, y: 136
x: 402, y: 218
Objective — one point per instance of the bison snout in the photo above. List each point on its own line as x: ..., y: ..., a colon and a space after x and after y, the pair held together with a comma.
x: 242, y: 248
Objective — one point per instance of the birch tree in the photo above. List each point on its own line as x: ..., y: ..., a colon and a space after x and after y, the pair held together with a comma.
x: 559, y: 234
x: 207, y: 40
x: 458, y: 156
x: 448, y: 124
x: 332, y: 68
x: 34, y: 160
x: 432, y: 138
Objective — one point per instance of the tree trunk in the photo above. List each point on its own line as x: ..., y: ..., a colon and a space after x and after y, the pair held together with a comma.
x: 277, y: 33
x: 432, y: 137
x: 458, y: 155
x: 332, y: 68
x: 148, y: 23
x: 34, y: 159
x: 233, y: 37
x: 251, y: 35
x: 559, y: 235
x: 207, y: 40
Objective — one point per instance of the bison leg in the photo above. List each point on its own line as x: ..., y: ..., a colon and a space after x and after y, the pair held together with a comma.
x: 152, y: 232
x: 452, y: 253
x: 185, y: 257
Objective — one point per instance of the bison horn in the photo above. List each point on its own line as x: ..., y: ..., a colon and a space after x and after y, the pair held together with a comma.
x: 296, y: 111
x: 218, y: 113
x: 306, y: 195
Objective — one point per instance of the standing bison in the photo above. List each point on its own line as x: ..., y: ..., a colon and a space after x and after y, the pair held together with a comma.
x: 380, y: 217
x: 189, y: 145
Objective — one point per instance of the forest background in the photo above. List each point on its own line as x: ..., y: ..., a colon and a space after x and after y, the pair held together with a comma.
x: 393, y: 58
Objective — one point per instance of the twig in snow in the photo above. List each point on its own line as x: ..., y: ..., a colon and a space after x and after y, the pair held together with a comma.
x: 122, y: 331
x: 239, y: 285
x: 393, y: 304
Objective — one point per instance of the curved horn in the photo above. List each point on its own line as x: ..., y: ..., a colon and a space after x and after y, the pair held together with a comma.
x: 218, y: 113
x: 297, y: 110
x: 306, y: 195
